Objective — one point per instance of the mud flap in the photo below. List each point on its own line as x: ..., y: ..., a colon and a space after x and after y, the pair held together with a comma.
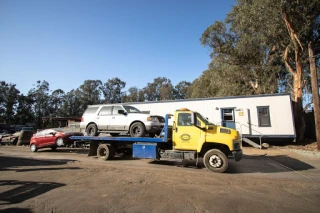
x: 93, y: 148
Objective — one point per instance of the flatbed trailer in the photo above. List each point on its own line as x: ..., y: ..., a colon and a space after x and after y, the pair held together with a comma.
x: 185, y: 140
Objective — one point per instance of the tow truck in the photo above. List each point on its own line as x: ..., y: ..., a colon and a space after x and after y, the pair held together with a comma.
x: 189, y: 137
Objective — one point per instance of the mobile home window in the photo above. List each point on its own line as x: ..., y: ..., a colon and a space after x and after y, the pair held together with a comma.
x: 264, y: 116
x: 227, y: 114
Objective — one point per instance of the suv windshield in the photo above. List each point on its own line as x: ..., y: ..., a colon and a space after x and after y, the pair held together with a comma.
x: 131, y: 109
x: 203, y: 119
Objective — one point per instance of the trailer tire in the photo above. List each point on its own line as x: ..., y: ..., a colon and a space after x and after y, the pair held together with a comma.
x: 106, y: 151
x: 137, y: 130
x: 215, y: 161
x: 92, y: 130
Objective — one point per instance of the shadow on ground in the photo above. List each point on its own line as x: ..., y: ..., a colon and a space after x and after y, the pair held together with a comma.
x: 267, y: 164
x: 13, y: 164
x: 250, y: 164
x: 20, y: 191
x: 16, y: 210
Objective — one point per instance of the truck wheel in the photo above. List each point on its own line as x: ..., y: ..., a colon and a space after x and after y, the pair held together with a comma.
x: 92, y: 130
x: 215, y: 161
x: 106, y: 151
x: 33, y: 148
x: 137, y: 130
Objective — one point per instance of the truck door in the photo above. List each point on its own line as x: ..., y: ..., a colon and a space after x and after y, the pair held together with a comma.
x: 186, y: 136
x: 227, y: 116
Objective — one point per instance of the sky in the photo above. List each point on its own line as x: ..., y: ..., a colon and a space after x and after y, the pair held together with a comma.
x: 66, y: 42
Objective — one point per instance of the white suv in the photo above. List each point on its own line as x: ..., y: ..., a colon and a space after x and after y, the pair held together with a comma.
x: 119, y: 118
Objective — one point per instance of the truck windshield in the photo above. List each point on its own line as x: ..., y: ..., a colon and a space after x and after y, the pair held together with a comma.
x: 203, y: 119
x: 131, y: 109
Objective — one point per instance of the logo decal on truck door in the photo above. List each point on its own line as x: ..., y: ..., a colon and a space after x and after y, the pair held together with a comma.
x: 185, y: 137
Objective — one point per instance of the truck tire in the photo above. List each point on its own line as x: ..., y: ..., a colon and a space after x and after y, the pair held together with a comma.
x: 106, y: 151
x: 215, y: 161
x: 137, y: 130
x: 92, y: 130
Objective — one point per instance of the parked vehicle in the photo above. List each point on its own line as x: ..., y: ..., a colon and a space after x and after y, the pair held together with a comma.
x: 120, y: 118
x: 52, y: 138
x: 191, y: 137
x: 27, y: 128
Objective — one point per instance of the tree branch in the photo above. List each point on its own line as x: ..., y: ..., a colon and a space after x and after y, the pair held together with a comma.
x: 285, y: 57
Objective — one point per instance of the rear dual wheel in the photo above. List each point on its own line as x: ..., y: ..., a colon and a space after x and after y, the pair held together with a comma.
x: 106, y: 151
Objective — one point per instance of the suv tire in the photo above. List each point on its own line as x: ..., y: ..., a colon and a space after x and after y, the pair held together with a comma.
x: 137, y: 130
x: 92, y: 130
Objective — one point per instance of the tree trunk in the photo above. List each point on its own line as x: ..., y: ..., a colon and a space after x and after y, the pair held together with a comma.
x: 297, y: 89
x: 315, y: 91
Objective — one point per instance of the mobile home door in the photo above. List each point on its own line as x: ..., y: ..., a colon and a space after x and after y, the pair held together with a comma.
x: 227, y: 115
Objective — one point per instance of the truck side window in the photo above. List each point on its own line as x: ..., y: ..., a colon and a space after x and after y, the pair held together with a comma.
x: 184, y: 119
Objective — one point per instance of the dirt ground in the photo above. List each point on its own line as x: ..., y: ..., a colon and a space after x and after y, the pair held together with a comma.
x: 272, y: 180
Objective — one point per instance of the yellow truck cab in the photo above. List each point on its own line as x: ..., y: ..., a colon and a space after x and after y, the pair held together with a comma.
x: 193, y: 136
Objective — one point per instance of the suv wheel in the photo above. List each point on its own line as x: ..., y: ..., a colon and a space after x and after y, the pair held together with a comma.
x: 92, y: 130
x: 137, y: 130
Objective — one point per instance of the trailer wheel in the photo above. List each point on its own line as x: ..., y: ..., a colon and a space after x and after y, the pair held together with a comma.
x: 106, y: 151
x: 137, y: 130
x: 92, y: 130
x: 215, y: 161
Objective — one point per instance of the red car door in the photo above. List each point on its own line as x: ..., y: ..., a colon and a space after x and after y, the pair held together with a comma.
x: 49, y: 138
x: 40, y: 139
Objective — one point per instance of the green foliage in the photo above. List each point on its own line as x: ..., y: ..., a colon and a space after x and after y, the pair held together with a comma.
x: 112, y: 90
x: 181, y: 90
x: 247, y: 49
x: 8, y: 99
x: 160, y: 89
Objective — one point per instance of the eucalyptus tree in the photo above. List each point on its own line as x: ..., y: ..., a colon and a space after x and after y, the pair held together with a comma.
x: 160, y: 89
x: 9, y: 96
x: 112, y: 90
x: 72, y: 105
x: 56, y: 100
x: 89, y: 93
x: 40, y: 96
x: 181, y: 90
x: 24, y: 112
x: 263, y: 43
x: 134, y: 94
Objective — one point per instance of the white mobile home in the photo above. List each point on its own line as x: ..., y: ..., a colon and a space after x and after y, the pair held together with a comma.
x: 266, y: 116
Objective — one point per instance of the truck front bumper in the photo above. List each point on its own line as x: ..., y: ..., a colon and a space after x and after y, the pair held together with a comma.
x: 237, y: 155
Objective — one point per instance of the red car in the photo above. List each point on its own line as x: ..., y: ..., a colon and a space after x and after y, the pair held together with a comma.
x: 51, y: 138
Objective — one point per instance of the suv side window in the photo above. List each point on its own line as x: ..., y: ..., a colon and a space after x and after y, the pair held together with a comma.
x: 106, y: 110
x: 115, y: 110
x: 90, y: 110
